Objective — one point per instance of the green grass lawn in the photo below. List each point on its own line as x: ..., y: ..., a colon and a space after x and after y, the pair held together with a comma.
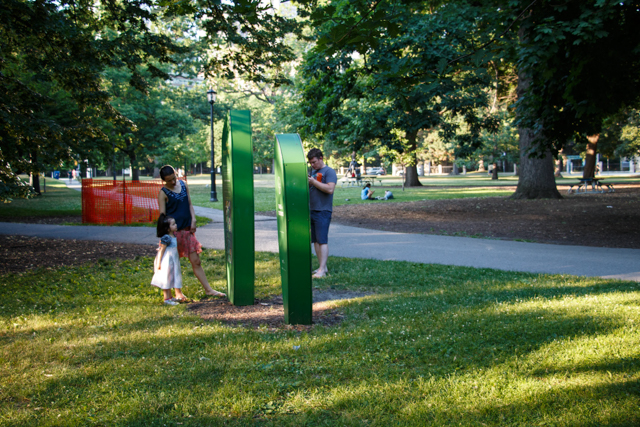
x: 61, y: 201
x: 58, y: 200
x: 434, y: 345
x: 264, y: 191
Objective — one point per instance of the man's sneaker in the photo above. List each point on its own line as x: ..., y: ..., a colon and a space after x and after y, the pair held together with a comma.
x: 170, y: 301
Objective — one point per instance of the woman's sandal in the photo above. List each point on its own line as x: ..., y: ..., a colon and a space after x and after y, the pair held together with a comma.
x: 183, y: 300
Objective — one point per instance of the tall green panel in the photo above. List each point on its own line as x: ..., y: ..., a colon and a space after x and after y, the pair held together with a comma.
x: 237, y: 196
x: 294, y: 235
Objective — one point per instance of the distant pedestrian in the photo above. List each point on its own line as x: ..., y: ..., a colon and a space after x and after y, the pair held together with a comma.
x: 166, y: 267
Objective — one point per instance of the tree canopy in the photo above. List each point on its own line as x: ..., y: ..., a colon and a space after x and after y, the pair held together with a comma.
x: 53, y: 55
x: 577, y: 62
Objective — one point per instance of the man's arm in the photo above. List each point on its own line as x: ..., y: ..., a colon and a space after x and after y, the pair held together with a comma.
x: 325, y: 188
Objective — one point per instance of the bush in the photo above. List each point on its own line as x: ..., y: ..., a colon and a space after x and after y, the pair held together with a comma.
x: 12, y: 187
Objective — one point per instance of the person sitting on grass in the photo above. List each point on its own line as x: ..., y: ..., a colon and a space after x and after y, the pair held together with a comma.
x: 367, y: 192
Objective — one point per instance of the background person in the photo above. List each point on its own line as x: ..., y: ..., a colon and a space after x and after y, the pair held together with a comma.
x: 174, y: 200
x: 367, y: 192
x: 322, y: 183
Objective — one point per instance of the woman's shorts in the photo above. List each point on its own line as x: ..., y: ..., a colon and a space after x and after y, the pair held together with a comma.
x: 187, y: 243
x: 320, y: 221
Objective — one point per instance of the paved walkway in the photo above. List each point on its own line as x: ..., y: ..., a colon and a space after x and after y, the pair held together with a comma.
x: 356, y: 242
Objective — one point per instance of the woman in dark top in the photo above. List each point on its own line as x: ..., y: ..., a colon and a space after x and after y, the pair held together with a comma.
x: 174, y: 201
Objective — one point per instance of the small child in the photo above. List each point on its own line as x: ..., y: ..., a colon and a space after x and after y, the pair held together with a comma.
x: 166, y: 267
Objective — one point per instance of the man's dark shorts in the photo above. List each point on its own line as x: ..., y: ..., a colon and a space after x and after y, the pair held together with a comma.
x: 320, y: 221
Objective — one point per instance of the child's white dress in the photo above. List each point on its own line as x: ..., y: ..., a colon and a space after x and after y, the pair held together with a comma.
x: 169, y: 276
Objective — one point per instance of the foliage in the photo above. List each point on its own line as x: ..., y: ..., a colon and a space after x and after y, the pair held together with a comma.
x: 430, y: 345
x: 410, y: 72
x: 52, y: 55
x: 403, y: 80
x: 500, y: 145
x: 156, y: 124
x: 583, y: 59
x: 621, y: 135
x: 53, y: 106
x: 12, y: 187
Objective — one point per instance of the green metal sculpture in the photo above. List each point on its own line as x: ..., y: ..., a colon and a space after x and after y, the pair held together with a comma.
x: 237, y: 194
x: 294, y: 236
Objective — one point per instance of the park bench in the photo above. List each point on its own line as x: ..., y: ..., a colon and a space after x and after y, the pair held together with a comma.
x: 372, y: 180
x: 350, y: 182
x: 582, y: 187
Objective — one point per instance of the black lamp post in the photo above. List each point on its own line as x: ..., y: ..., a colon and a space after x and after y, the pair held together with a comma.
x: 211, y: 97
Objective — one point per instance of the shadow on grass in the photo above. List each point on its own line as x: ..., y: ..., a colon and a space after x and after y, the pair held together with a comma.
x: 400, y: 358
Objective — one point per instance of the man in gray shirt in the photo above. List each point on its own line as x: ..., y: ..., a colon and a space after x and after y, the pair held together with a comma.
x: 322, y: 183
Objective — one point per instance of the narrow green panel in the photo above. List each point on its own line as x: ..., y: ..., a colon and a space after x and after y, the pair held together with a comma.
x: 237, y: 196
x: 294, y: 236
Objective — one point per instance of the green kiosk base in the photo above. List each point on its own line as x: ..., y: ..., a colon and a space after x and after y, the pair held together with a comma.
x: 294, y: 236
x: 237, y: 194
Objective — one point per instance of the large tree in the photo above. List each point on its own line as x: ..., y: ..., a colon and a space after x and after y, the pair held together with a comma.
x: 53, y: 52
x: 414, y: 75
x: 577, y: 62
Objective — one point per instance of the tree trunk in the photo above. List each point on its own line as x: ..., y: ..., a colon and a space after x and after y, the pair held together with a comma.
x: 83, y: 170
x: 535, y: 178
x: 559, y: 166
x: 590, y: 159
x: 34, y: 181
x: 34, y: 177
x: 135, y: 172
x: 494, y: 171
x: 454, y: 170
x: 411, y: 171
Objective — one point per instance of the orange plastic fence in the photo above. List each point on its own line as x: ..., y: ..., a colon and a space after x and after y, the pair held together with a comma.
x: 112, y: 202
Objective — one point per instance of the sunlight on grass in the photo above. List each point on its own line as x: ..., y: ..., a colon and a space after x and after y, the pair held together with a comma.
x: 432, y: 345
x: 61, y: 201
x: 57, y: 200
x: 264, y: 192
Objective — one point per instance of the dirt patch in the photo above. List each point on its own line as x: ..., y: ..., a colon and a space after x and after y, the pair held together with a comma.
x: 269, y: 313
x: 603, y: 220
x: 20, y: 253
